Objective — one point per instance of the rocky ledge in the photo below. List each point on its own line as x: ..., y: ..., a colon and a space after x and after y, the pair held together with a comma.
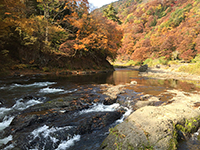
x: 157, y: 127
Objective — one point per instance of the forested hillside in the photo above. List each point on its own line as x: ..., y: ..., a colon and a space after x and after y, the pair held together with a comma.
x: 159, y: 29
x: 64, y: 34
x: 55, y: 33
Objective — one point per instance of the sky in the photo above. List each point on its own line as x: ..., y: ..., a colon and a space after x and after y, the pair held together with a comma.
x: 99, y: 3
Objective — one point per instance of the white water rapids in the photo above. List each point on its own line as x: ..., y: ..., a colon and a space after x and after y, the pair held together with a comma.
x: 47, y: 132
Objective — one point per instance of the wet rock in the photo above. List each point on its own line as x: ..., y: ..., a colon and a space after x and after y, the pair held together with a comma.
x: 1, y: 102
x: 110, y: 100
x: 44, y: 113
x: 143, y: 68
x: 24, y: 122
x: 63, y: 102
x: 113, y: 91
x: 29, y: 97
x: 98, y: 121
x: 192, y: 143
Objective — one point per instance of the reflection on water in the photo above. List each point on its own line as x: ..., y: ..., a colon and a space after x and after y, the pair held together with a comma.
x: 148, y: 85
x: 12, y: 89
x: 122, y: 76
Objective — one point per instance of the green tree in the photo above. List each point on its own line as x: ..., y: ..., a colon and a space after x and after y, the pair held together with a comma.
x: 48, y: 7
x: 111, y: 13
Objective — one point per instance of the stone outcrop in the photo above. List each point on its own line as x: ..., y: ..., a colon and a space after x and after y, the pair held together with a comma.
x: 112, y: 92
x: 143, y: 68
x: 160, y: 127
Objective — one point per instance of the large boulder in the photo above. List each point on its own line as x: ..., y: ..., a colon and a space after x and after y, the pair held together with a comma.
x: 157, y: 128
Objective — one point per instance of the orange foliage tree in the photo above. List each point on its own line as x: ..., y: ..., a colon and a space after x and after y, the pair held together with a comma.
x: 94, y: 36
x: 171, y: 26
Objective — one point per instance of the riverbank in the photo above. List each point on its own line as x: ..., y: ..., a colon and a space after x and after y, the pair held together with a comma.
x: 169, y: 72
x: 72, y: 68
x: 173, y: 70
x: 54, y: 71
x: 55, y: 63
x: 159, y: 127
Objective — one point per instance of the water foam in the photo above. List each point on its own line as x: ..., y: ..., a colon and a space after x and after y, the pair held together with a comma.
x: 6, y: 140
x: 126, y: 114
x: 21, y: 105
x: 9, y: 147
x: 50, y: 90
x: 6, y: 122
x: 36, y: 84
x: 99, y: 107
x: 66, y: 144
x: 3, y: 87
x: 4, y: 111
x: 47, y: 132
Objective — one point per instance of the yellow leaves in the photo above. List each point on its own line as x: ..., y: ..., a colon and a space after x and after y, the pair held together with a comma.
x: 159, y: 7
x: 32, y: 61
x: 79, y: 47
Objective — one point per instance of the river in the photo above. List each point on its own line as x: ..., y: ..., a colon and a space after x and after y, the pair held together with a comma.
x: 67, y: 112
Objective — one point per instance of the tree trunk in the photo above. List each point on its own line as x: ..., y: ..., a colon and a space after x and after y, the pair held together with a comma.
x: 46, y: 16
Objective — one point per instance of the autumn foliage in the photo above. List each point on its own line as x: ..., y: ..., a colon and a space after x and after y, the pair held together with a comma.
x: 159, y: 28
x: 31, y: 30
x: 95, y: 35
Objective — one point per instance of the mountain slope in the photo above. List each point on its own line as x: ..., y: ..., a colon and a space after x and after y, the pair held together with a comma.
x: 168, y: 29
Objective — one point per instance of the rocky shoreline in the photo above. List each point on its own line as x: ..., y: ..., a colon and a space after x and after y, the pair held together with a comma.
x: 160, y: 127
x: 157, y: 127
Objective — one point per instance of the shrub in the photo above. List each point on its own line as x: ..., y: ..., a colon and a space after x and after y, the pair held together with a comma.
x: 196, y: 59
x: 153, y: 22
x: 192, y: 68
x: 148, y: 61
x: 154, y: 62
x: 133, y: 63
x: 163, y: 61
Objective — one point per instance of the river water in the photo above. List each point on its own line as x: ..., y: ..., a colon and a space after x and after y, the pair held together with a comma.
x: 66, y: 129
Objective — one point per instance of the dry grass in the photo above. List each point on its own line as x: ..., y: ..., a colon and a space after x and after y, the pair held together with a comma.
x: 191, y: 69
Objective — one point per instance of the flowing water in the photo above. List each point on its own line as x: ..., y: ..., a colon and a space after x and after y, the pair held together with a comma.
x: 66, y: 129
